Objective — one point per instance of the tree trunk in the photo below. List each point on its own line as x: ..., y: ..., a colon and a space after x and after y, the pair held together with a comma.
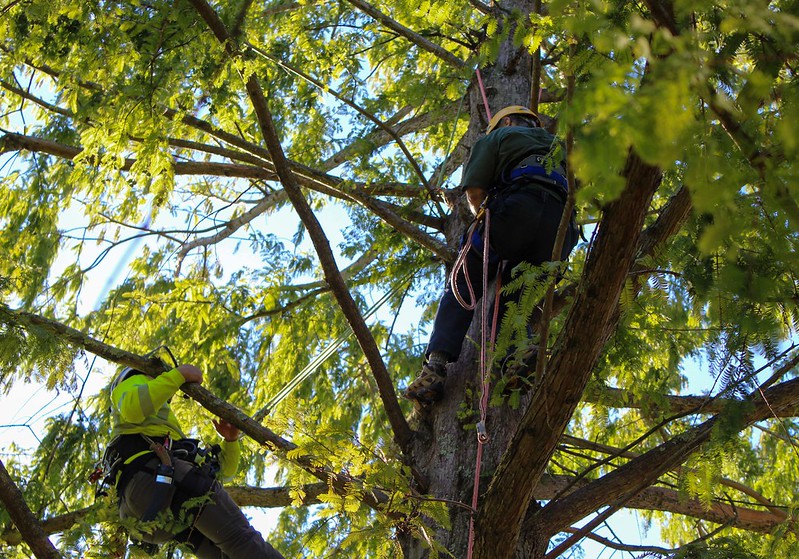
x: 445, y: 446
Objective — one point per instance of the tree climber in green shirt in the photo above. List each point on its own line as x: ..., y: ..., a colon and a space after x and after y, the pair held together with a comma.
x: 517, y: 172
x: 158, y: 470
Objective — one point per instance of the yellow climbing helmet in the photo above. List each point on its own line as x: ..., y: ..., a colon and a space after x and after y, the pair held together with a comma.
x: 508, y: 111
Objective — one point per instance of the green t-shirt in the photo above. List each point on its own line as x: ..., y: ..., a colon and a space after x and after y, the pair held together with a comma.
x: 503, y: 149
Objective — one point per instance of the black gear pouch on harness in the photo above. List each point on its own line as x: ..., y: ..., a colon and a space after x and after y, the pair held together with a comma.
x: 172, y: 493
x: 207, y: 459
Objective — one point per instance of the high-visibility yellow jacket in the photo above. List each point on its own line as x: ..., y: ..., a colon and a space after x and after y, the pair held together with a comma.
x: 140, y: 405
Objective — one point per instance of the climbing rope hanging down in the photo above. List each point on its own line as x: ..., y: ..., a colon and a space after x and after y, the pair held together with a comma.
x: 483, y: 216
x: 482, y: 431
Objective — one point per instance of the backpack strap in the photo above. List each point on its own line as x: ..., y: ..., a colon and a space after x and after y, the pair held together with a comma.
x: 533, y: 167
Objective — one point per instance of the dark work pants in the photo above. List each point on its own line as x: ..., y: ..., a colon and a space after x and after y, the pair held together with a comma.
x: 524, y: 222
x: 224, y: 531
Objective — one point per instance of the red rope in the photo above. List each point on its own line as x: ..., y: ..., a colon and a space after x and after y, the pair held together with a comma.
x: 487, y: 339
x: 482, y: 432
x: 460, y: 266
x: 483, y: 93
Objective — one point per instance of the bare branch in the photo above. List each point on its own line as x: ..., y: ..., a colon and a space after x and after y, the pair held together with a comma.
x: 305, y: 76
x: 643, y: 471
x: 621, y: 546
x: 30, y: 97
x: 402, y: 431
x: 308, y: 177
x: 362, y: 262
x: 278, y: 8
x: 379, y: 136
x: 485, y: 8
x: 266, y: 203
x: 409, y: 34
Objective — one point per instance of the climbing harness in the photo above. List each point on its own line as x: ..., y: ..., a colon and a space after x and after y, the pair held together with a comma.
x: 129, y: 454
x: 534, y: 167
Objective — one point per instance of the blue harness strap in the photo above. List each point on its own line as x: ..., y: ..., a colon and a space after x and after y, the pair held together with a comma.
x: 538, y: 172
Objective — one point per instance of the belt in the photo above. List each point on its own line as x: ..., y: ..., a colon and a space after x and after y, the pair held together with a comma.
x: 538, y: 173
x: 534, y: 167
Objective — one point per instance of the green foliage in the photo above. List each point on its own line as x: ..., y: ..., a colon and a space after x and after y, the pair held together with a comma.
x: 33, y: 354
x: 147, y: 213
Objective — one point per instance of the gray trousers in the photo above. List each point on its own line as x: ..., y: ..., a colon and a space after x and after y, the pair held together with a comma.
x: 224, y: 531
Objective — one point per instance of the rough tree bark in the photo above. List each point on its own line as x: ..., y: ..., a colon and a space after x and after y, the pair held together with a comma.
x: 444, y: 450
x: 28, y: 525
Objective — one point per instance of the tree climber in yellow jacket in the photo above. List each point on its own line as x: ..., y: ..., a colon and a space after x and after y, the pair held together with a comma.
x: 164, y: 477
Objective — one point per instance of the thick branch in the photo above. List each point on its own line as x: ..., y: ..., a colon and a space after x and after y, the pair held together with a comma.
x: 52, y: 525
x: 364, y: 336
x: 20, y: 513
x: 618, y: 398
x: 272, y: 497
x: 585, y: 332
x: 631, y: 478
x: 621, y: 453
x: 550, y: 487
x: 672, y: 217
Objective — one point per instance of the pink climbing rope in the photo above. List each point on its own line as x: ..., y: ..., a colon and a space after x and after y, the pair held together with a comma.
x: 483, y: 93
x: 460, y: 266
x: 487, y: 339
x: 482, y: 431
